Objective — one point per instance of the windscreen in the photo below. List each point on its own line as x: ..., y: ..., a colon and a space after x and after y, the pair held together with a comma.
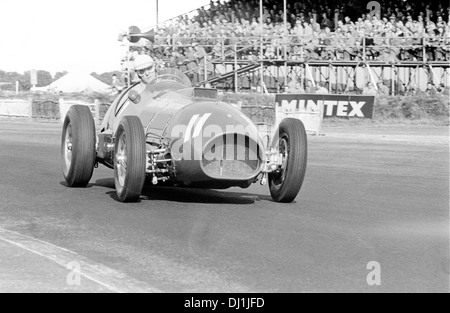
x: 172, y: 74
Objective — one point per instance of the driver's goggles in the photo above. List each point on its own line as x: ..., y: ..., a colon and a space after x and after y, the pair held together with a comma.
x: 145, y: 70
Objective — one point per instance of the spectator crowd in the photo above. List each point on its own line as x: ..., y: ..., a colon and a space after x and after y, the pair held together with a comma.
x: 313, y: 30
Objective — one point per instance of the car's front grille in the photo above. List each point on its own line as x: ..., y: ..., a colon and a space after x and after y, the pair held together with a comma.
x: 231, y: 156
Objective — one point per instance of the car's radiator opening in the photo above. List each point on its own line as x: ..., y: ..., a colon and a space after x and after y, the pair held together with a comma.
x: 232, y: 156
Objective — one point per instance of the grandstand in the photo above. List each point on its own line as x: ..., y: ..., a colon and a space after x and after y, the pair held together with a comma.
x: 340, y: 45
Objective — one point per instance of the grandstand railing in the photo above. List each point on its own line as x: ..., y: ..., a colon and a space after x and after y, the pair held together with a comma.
x: 413, y: 48
x: 240, y: 52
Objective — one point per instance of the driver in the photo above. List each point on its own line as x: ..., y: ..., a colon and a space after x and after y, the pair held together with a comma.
x: 144, y: 66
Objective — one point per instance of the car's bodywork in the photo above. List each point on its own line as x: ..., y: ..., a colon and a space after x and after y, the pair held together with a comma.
x: 179, y: 118
x: 191, y: 139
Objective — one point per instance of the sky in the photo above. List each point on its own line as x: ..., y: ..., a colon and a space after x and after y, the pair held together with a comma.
x: 75, y: 35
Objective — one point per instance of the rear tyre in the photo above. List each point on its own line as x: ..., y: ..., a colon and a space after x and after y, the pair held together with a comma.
x: 78, y: 146
x: 286, y: 182
x: 129, y: 159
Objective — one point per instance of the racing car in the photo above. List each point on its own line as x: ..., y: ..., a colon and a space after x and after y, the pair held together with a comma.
x: 175, y: 134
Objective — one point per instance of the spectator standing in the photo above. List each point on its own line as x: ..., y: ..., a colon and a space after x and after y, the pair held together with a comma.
x: 192, y: 67
x: 295, y: 87
x: 431, y: 43
x: 347, y: 44
x: 369, y: 89
x: 326, y: 22
x: 382, y: 88
x: 202, y: 61
x: 309, y: 87
x: 443, y: 90
x: 412, y: 90
x: 116, y: 85
x: 431, y: 89
x: 177, y: 59
x: 321, y: 89
x: 440, y: 45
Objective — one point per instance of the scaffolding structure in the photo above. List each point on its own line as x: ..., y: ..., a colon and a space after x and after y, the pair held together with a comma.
x: 251, y: 67
x: 336, y: 76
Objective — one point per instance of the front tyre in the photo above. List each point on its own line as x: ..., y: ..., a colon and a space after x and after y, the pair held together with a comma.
x: 78, y: 146
x: 286, y: 181
x: 129, y: 159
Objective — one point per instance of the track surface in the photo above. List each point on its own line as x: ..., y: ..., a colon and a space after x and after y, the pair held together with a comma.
x: 370, y: 194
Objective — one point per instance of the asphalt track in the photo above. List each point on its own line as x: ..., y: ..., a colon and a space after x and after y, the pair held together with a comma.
x: 371, y: 193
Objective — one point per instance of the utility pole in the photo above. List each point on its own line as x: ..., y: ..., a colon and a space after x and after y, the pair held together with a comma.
x: 261, y: 44
x: 285, y: 41
x: 157, y: 13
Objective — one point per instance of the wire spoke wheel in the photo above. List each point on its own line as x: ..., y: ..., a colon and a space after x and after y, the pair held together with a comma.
x: 129, y: 159
x: 67, y: 147
x: 286, y: 181
x: 78, y: 152
x: 122, y: 160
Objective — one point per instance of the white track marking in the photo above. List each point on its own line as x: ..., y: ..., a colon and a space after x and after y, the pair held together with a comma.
x: 111, y: 279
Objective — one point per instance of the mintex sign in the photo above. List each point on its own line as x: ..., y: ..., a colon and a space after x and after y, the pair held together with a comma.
x: 333, y: 105
x: 290, y: 106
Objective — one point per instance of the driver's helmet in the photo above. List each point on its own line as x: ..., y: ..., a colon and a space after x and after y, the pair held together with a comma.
x: 143, y: 61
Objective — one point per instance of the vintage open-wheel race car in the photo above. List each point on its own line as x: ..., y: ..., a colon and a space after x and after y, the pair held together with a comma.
x: 176, y: 134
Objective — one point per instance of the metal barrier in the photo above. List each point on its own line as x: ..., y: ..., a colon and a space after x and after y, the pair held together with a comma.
x: 16, y: 107
x: 46, y: 108
x: 64, y: 106
x: 319, y: 47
